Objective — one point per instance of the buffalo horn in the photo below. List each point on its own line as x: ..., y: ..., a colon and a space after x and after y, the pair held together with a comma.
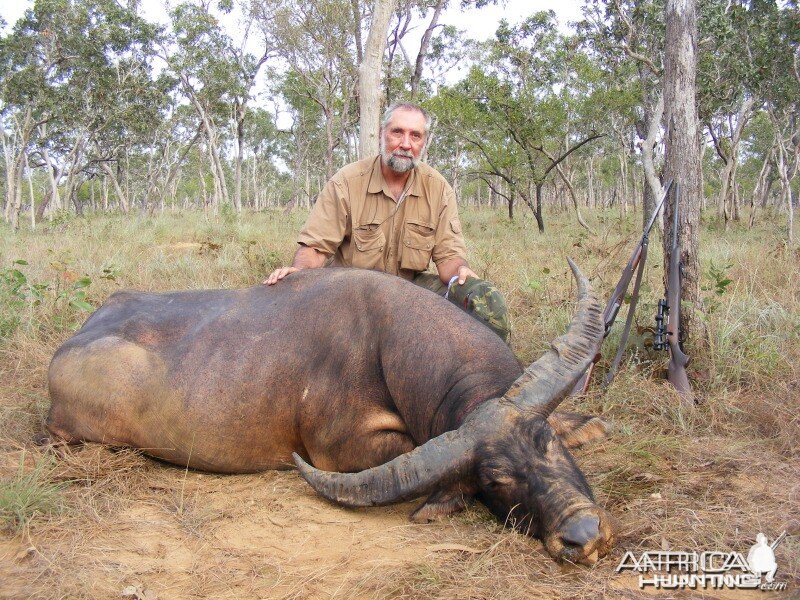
x: 547, y: 382
x: 436, y: 463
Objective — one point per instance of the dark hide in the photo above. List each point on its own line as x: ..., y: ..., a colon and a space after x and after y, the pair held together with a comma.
x: 357, y: 372
x: 348, y: 368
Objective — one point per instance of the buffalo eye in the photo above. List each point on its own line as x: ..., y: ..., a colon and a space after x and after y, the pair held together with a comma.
x: 496, y: 478
x: 545, y: 441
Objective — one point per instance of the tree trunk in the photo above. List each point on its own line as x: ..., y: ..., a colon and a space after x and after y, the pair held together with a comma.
x: 786, y: 188
x: 73, y: 160
x: 17, y: 201
x: 574, y: 198
x: 14, y: 152
x: 8, y: 156
x: 43, y: 205
x: 786, y: 171
x: 239, y: 110
x: 53, y: 175
x: 761, y: 188
x: 537, y: 213
x: 355, y: 5
x: 369, y: 78
x: 332, y: 143
x: 424, y: 46
x: 683, y: 157
x: 122, y: 198
x: 652, y: 184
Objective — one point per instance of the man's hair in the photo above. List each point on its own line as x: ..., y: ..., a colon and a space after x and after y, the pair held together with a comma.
x: 389, y: 112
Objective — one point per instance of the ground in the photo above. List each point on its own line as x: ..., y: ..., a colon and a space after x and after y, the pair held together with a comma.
x: 97, y: 522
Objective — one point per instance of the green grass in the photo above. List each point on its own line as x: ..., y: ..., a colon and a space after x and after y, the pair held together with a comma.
x: 30, y: 494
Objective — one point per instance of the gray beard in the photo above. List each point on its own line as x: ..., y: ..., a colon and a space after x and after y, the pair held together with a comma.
x: 398, y: 164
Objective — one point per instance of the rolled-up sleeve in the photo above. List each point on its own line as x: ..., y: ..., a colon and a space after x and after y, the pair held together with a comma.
x: 449, y: 241
x: 326, y: 225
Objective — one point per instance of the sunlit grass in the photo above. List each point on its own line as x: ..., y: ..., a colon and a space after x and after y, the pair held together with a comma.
x: 29, y: 494
x: 697, y: 477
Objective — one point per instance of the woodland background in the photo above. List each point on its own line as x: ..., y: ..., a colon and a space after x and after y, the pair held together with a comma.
x: 102, y: 110
x: 185, y: 156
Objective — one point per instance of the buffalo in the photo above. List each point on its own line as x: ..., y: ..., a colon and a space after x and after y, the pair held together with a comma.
x: 389, y: 391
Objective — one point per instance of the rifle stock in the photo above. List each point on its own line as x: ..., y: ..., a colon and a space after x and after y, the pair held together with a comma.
x: 676, y: 371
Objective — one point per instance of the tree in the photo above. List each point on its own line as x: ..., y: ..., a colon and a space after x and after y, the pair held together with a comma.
x: 683, y: 154
x: 627, y: 36
x: 512, y: 112
x: 369, y: 78
x: 320, y: 66
x: 200, y: 59
x: 77, y: 76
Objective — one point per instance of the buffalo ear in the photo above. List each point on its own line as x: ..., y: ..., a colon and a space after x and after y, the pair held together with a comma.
x: 444, y: 502
x: 576, y: 429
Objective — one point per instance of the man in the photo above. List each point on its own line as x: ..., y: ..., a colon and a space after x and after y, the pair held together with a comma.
x: 394, y: 213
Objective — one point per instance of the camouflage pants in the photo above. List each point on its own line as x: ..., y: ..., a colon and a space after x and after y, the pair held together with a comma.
x: 476, y: 297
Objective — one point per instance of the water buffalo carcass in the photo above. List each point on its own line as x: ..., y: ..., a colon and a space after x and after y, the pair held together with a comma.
x: 390, y: 391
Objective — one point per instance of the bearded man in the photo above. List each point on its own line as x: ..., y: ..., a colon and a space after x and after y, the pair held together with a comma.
x: 394, y: 213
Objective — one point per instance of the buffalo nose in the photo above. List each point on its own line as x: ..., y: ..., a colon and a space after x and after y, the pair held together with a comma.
x: 580, y: 530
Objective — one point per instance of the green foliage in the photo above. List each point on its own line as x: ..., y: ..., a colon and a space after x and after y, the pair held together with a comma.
x: 718, y: 284
x: 719, y: 278
x: 29, y: 495
x: 24, y: 301
x: 16, y: 294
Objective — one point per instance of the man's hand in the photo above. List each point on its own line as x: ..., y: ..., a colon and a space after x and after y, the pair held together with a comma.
x: 304, y: 258
x: 463, y: 273
x: 279, y: 274
x: 455, y: 267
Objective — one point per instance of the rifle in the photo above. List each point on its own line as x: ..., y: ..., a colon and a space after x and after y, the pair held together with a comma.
x: 637, y: 261
x: 670, y: 307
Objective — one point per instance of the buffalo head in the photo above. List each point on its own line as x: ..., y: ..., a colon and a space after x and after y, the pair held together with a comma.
x: 510, y: 452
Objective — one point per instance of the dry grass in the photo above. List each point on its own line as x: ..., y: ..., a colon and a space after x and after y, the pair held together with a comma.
x: 710, y: 477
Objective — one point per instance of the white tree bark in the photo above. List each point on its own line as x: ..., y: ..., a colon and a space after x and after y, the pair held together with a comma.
x: 648, y: 153
x: 369, y: 78
x: 55, y: 201
x: 122, y: 198
x: 786, y: 171
x: 30, y: 191
x: 683, y: 155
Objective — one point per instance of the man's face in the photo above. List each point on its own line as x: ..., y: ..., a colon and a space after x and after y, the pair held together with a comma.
x: 403, y: 140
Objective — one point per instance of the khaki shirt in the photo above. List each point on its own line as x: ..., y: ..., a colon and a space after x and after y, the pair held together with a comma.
x: 357, y: 221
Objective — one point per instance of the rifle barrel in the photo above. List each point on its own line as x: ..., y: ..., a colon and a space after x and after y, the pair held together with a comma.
x: 664, y: 195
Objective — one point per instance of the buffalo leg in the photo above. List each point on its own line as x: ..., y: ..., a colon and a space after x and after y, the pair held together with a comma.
x: 361, y: 450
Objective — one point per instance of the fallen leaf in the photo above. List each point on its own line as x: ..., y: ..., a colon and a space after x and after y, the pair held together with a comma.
x: 137, y: 593
x: 132, y: 592
x: 276, y: 522
x: 454, y: 548
x: 26, y: 553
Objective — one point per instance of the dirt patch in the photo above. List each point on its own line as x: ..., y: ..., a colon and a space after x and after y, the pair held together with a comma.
x: 148, y: 530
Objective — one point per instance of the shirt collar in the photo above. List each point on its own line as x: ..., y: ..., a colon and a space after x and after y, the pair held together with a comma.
x: 378, y: 184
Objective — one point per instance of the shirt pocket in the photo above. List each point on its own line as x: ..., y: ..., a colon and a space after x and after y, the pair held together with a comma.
x: 418, y: 240
x: 368, y: 244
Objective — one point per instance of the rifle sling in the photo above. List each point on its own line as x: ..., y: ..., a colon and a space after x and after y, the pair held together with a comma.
x: 623, y: 341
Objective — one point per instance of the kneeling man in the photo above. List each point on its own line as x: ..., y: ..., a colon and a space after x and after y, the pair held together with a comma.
x: 395, y: 214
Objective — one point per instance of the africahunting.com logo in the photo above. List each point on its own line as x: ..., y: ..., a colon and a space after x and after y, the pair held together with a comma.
x: 711, y: 569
